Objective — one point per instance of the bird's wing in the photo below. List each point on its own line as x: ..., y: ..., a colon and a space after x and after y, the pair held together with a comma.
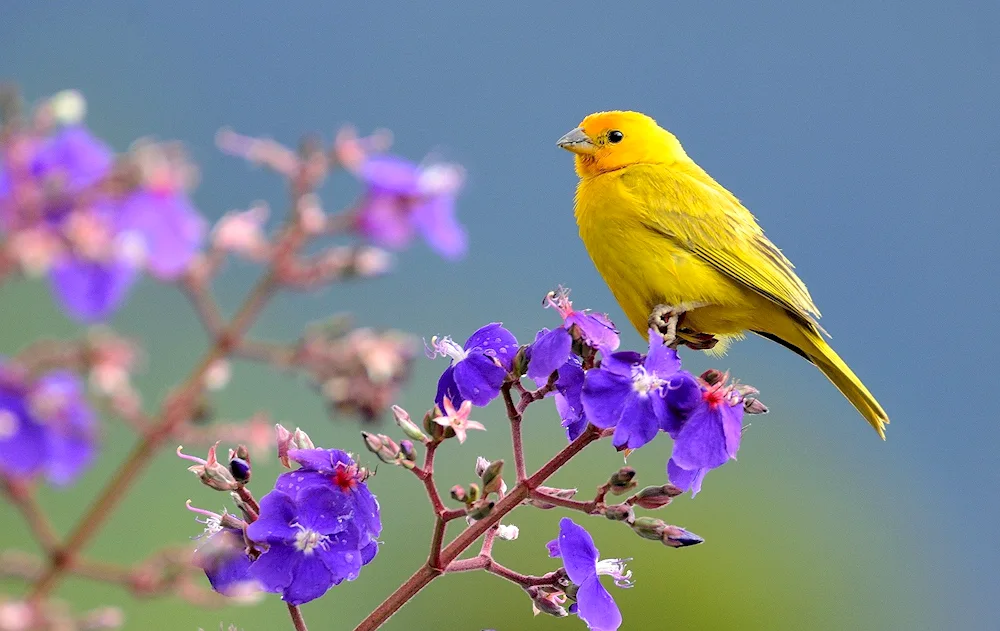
x: 704, y: 218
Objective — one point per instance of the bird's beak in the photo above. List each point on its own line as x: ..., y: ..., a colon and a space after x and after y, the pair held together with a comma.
x: 577, y: 141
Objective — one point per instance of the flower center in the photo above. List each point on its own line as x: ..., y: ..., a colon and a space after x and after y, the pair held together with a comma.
x: 616, y: 569
x: 559, y: 300
x: 447, y: 347
x: 716, y: 395
x: 644, y: 381
x: 345, y: 477
x: 306, y: 541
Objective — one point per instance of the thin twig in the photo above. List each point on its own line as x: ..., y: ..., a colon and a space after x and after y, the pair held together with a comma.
x: 22, y: 496
x: 297, y: 619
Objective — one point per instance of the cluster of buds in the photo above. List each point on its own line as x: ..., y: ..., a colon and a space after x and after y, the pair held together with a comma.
x: 290, y: 440
x: 650, y: 498
x: 476, y: 497
x: 358, y: 370
x: 403, y: 454
x: 221, y: 477
x: 548, y: 599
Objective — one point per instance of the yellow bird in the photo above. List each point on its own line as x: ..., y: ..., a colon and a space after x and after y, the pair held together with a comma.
x: 668, y: 238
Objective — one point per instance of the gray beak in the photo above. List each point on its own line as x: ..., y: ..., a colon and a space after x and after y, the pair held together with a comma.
x: 577, y: 141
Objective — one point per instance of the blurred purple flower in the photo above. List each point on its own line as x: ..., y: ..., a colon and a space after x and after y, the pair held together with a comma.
x: 552, y: 348
x: 312, y: 539
x: 224, y: 559
x: 46, y: 426
x: 74, y: 158
x: 635, y: 394
x: 478, y: 369
x: 169, y: 229
x: 402, y: 198
x: 707, y: 437
x: 569, y: 388
x: 584, y: 566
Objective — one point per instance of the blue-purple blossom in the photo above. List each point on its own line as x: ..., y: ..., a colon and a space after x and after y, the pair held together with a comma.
x: 707, y: 437
x: 478, y: 369
x: 223, y: 557
x: 637, y: 395
x: 74, y: 158
x: 584, y: 566
x: 45, y: 427
x: 402, y: 198
x: 552, y: 349
x: 312, y: 543
x: 569, y: 388
x: 333, y: 468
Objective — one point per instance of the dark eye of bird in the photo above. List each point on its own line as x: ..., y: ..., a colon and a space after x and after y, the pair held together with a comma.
x: 615, y: 136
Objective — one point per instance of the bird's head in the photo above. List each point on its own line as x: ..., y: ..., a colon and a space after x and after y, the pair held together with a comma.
x: 607, y: 141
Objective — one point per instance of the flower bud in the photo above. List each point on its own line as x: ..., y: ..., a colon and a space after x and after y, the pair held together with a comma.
x: 284, y: 442
x: 432, y: 428
x: 458, y: 493
x: 713, y: 376
x: 508, y: 532
x: 491, y: 477
x: 382, y: 446
x: 240, y: 469
x: 520, y: 362
x: 408, y: 426
x: 372, y: 442
x: 677, y: 537
x: 474, y: 494
x: 481, y: 510
x: 565, y: 494
x: 544, y: 600
x: 407, y: 450
x: 653, y: 497
x: 754, y: 406
x: 301, y: 440
x: 620, y: 512
x: 622, y: 481
x: 211, y: 472
x: 649, y: 527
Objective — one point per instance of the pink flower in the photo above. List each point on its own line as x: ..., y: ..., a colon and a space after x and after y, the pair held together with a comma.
x: 458, y: 420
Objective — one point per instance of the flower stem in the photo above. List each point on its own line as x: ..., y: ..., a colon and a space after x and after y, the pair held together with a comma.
x: 175, y: 412
x: 297, y: 619
x: 423, y: 576
x: 591, y: 507
x: 514, y: 415
x: 22, y: 496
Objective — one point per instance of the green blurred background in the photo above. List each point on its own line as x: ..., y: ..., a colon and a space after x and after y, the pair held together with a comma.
x: 864, y: 137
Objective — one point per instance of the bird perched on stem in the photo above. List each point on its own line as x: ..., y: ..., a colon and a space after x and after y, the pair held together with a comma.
x: 681, y: 254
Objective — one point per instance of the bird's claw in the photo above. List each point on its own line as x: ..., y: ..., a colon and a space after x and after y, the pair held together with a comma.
x: 666, y: 320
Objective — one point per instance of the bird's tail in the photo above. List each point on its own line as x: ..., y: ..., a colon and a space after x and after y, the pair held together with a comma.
x: 813, y: 347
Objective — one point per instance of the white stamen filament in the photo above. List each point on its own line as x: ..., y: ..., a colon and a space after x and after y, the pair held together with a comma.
x: 306, y: 541
x: 447, y: 347
x: 616, y: 569
x: 643, y: 382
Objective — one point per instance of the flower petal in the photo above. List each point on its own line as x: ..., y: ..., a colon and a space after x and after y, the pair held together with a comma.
x: 310, y: 580
x: 577, y: 549
x: 323, y: 509
x: 603, y: 396
x: 384, y: 220
x: 701, y: 443
x: 687, y: 480
x: 22, y: 440
x: 661, y: 360
x: 479, y: 379
x: 390, y: 174
x: 597, y: 330
x: 639, y: 423
x: 169, y: 226
x: 277, y: 514
x: 435, y: 220
x: 322, y: 460
x: 369, y: 552
x: 596, y: 606
x: 273, y: 569
x: 294, y: 483
x: 683, y: 396
x: 495, y: 341
x: 549, y: 352
x: 91, y: 291
x: 621, y: 363
x: 448, y: 388
x: 341, y: 555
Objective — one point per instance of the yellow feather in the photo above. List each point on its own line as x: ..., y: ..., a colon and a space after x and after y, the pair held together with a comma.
x: 660, y: 230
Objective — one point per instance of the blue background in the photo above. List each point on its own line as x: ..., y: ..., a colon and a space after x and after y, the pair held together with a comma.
x: 864, y: 137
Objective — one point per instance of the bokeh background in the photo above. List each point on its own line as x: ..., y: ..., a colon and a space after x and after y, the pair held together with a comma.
x: 863, y: 135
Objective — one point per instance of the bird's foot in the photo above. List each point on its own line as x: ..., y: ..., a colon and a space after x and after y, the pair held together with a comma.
x: 665, y: 319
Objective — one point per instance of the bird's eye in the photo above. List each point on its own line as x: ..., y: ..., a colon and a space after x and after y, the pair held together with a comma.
x: 615, y: 136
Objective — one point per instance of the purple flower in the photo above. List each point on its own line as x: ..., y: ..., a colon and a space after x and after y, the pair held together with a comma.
x: 707, y: 437
x: 594, y: 604
x: 45, y: 426
x: 224, y: 559
x: 478, y: 369
x: 552, y: 348
x: 111, y: 240
x: 402, y: 198
x: 312, y: 539
x: 74, y: 157
x: 569, y: 388
x: 637, y: 395
x: 335, y: 469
